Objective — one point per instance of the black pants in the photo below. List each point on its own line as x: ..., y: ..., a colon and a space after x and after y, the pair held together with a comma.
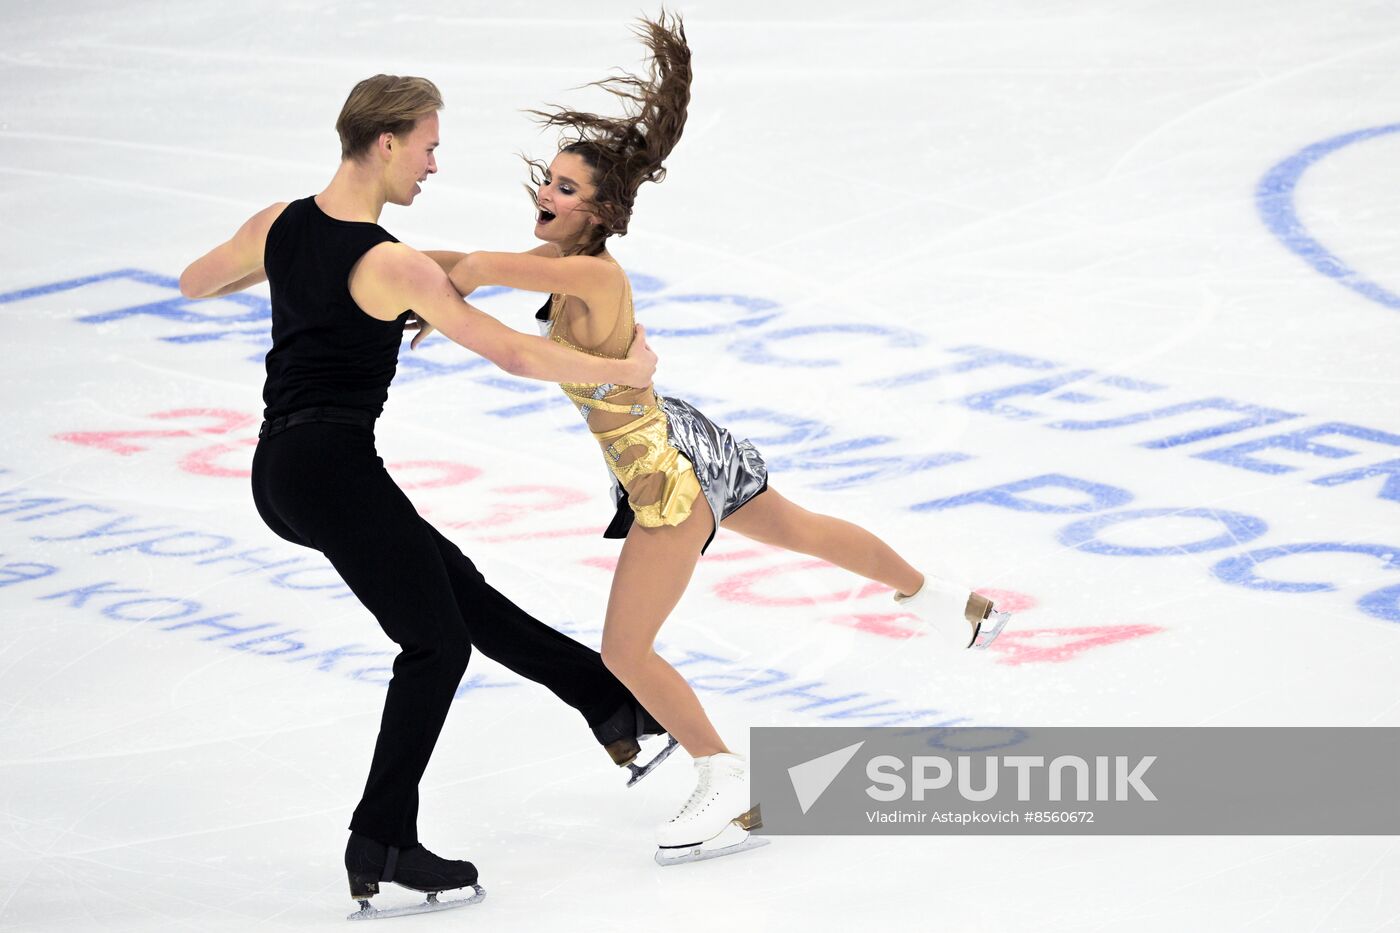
x: 323, y: 486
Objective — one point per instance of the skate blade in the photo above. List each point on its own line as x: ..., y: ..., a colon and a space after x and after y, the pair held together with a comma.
x: 990, y: 629
x: 368, y: 911
x: 731, y: 840
x: 700, y: 853
x: 641, y: 771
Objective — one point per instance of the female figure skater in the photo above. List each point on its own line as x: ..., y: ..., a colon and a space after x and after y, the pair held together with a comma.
x: 678, y: 476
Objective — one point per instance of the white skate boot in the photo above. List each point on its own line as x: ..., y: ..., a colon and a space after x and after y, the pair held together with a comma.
x: 960, y: 618
x: 716, y: 819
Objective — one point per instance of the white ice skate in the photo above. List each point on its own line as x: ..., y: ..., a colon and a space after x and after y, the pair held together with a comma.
x: 716, y: 820
x: 960, y: 618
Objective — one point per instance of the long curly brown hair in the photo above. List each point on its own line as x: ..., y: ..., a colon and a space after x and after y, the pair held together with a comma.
x: 625, y: 151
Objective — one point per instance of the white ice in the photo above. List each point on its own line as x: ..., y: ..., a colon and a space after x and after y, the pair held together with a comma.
x: 1073, y: 183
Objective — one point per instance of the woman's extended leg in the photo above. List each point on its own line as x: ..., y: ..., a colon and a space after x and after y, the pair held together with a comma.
x: 942, y: 604
x: 653, y: 571
x: 771, y: 519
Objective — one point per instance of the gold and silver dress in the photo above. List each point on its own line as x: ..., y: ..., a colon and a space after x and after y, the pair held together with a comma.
x: 663, y: 453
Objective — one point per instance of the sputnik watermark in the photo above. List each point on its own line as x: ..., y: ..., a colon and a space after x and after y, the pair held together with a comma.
x: 1208, y: 781
x: 811, y: 778
x: 1118, y: 776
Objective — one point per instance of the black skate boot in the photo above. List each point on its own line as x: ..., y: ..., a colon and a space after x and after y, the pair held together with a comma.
x: 368, y: 863
x: 621, y: 734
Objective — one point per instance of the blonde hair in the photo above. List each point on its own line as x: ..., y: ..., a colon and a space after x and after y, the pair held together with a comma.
x: 383, y: 104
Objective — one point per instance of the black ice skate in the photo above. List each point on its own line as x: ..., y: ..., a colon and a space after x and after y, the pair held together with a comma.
x: 368, y: 863
x: 621, y: 734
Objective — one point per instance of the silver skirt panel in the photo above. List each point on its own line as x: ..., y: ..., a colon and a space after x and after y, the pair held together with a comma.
x: 731, y: 472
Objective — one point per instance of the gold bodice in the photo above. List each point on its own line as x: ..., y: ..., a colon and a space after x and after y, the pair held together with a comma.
x: 630, y: 426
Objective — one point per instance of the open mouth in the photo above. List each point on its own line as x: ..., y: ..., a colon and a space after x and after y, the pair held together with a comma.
x: 544, y: 216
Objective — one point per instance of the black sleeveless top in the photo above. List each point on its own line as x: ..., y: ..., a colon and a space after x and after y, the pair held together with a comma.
x: 325, y: 351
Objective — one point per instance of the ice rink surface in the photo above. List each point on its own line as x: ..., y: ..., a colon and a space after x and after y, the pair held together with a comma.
x: 1091, y: 304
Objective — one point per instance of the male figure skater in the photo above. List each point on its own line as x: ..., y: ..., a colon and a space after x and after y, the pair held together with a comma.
x: 342, y: 289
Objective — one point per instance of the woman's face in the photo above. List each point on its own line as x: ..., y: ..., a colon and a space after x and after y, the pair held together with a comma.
x: 564, y: 212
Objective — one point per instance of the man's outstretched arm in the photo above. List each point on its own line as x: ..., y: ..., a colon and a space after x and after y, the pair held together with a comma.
x: 234, y: 265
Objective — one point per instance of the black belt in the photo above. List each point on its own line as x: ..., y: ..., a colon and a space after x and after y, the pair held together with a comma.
x: 352, y: 416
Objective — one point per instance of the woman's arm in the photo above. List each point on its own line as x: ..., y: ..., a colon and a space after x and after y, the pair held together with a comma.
x: 463, y: 280
x: 588, y: 277
x: 234, y: 265
x: 446, y: 258
x: 392, y: 277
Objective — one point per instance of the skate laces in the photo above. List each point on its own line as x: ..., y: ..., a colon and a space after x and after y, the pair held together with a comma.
x: 702, y: 788
x: 704, y: 784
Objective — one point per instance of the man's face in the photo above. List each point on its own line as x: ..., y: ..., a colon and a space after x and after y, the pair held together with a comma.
x: 412, y: 160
